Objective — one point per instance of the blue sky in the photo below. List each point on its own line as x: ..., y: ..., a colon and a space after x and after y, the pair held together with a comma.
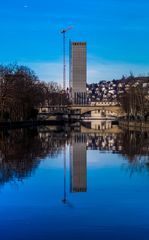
x: 116, y: 31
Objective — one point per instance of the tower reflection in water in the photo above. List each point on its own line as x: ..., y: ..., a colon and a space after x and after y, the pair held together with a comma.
x: 78, y: 163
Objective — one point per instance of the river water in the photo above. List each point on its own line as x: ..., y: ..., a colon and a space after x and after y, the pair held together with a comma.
x: 87, y: 182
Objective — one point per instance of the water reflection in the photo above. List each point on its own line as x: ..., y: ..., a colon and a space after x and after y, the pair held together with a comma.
x: 22, y: 150
x: 89, y: 167
x: 105, y: 142
x: 78, y: 163
x: 136, y: 151
x: 135, y: 144
x: 98, y: 125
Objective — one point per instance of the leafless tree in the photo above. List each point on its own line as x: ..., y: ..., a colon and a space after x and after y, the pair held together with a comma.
x: 20, y: 92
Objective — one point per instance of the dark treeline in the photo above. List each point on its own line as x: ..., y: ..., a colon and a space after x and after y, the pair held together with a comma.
x: 22, y: 93
x: 131, y: 145
x: 134, y: 144
x: 135, y: 150
x: 135, y: 101
x: 22, y: 150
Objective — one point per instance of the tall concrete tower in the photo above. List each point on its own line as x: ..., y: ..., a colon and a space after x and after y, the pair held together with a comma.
x: 78, y: 72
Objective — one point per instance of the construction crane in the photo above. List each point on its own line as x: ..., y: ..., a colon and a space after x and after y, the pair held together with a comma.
x: 64, y: 88
x: 64, y: 55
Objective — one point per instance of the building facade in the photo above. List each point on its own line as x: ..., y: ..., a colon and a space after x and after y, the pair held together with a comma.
x: 78, y: 72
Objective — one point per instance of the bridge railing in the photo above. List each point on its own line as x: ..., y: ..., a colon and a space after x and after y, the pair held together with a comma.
x: 104, y: 103
x: 52, y: 109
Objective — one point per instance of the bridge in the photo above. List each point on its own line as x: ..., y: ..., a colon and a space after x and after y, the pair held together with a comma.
x: 105, y: 106
x: 79, y: 110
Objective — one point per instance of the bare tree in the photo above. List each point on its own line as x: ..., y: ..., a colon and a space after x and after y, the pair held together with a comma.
x: 20, y: 92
